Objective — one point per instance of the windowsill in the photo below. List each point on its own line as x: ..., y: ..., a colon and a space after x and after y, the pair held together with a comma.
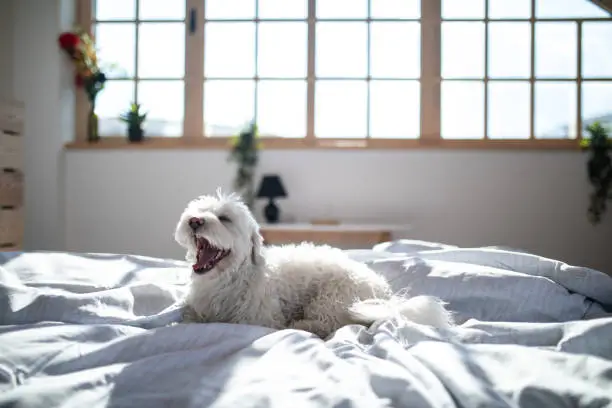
x: 162, y: 143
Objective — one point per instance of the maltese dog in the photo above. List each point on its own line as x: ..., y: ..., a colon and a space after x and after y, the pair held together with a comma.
x: 315, y: 288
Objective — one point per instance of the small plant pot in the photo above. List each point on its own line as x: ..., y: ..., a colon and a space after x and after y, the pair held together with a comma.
x: 135, y: 134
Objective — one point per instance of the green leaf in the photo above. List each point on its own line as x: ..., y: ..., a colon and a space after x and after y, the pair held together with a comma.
x: 599, y: 169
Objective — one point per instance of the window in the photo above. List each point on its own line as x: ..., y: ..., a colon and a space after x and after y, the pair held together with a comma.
x: 524, y: 69
x: 145, y: 41
x: 356, y: 73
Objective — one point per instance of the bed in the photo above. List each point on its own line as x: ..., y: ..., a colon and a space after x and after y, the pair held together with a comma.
x: 100, y: 330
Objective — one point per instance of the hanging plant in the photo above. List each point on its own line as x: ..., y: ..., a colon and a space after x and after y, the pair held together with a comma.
x: 599, y: 170
x: 245, y: 152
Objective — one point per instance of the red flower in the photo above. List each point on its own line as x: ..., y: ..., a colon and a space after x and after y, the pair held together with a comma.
x: 79, y: 81
x: 69, y: 41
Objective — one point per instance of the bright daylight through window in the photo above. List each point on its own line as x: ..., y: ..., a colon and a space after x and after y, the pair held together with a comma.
x: 378, y: 71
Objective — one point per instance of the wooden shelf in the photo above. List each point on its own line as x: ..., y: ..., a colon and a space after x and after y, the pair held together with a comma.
x: 273, y: 143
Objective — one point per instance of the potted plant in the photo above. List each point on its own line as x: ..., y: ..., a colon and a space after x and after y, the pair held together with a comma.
x: 599, y: 170
x: 245, y: 153
x: 134, y: 119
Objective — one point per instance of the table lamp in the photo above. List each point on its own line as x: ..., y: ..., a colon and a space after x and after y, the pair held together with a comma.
x: 271, y: 187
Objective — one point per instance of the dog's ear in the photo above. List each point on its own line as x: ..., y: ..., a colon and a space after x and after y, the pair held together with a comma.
x: 256, y: 248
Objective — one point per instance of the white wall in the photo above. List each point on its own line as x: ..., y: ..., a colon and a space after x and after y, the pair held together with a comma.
x: 130, y: 201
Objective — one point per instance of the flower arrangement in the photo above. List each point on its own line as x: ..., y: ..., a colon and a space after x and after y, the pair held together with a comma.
x: 80, y: 48
x: 245, y: 152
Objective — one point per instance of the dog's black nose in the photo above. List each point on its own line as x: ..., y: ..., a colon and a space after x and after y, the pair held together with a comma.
x: 195, y: 223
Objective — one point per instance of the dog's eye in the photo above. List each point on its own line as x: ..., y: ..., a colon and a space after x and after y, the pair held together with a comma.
x: 224, y: 218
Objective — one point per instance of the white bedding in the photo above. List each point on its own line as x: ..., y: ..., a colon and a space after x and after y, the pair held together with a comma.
x: 95, y: 330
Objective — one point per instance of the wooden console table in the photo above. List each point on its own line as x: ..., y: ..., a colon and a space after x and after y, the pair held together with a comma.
x: 344, y: 234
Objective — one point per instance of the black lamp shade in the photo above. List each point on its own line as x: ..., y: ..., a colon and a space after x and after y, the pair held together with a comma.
x: 271, y: 186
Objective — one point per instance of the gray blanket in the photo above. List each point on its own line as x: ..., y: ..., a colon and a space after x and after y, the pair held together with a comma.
x: 95, y: 330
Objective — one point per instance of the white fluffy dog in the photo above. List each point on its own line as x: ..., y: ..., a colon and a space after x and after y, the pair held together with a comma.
x: 306, y: 287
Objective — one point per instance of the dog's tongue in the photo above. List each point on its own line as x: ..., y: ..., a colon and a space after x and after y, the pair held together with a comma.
x: 205, y: 254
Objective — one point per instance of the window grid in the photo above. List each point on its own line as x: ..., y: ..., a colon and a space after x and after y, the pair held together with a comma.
x: 310, y: 71
x: 136, y: 22
x: 486, y: 73
x: 137, y: 51
x: 533, y: 79
x: 369, y: 73
x: 368, y: 20
x: 137, y: 78
x: 427, y: 111
x: 311, y: 78
x: 532, y: 58
x: 255, y: 62
x: 256, y: 78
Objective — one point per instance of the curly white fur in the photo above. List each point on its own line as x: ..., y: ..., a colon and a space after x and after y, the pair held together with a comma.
x: 307, y: 287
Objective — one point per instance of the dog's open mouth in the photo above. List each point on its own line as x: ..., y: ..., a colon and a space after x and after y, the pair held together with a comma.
x: 208, y: 256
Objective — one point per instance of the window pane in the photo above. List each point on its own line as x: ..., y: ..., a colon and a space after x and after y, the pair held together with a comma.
x: 230, y: 9
x: 395, y: 109
x: 117, y: 46
x: 112, y: 102
x: 568, y: 9
x: 509, y: 50
x: 509, y: 110
x: 283, y: 50
x: 597, y: 103
x: 342, y: 8
x: 341, y: 109
x: 509, y: 9
x: 556, y: 45
x: 395, y: 50
x: 165, y: 103
x: 283, y: 8
x: 115, y: 9
x: 555, y: 110
x: 463, y: 50
x: 228, y: 106
x: 281, y: 108
x: 462, y: 108
x: 162, y: 50
x: 229, y: 50
x: 596, y: 50
x: 342, y: 49
x: 396, y: 8
x: 463, y: 9
x: 162, y: 9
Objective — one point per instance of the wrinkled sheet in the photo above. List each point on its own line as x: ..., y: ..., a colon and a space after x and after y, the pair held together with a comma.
x: 97, y: 330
